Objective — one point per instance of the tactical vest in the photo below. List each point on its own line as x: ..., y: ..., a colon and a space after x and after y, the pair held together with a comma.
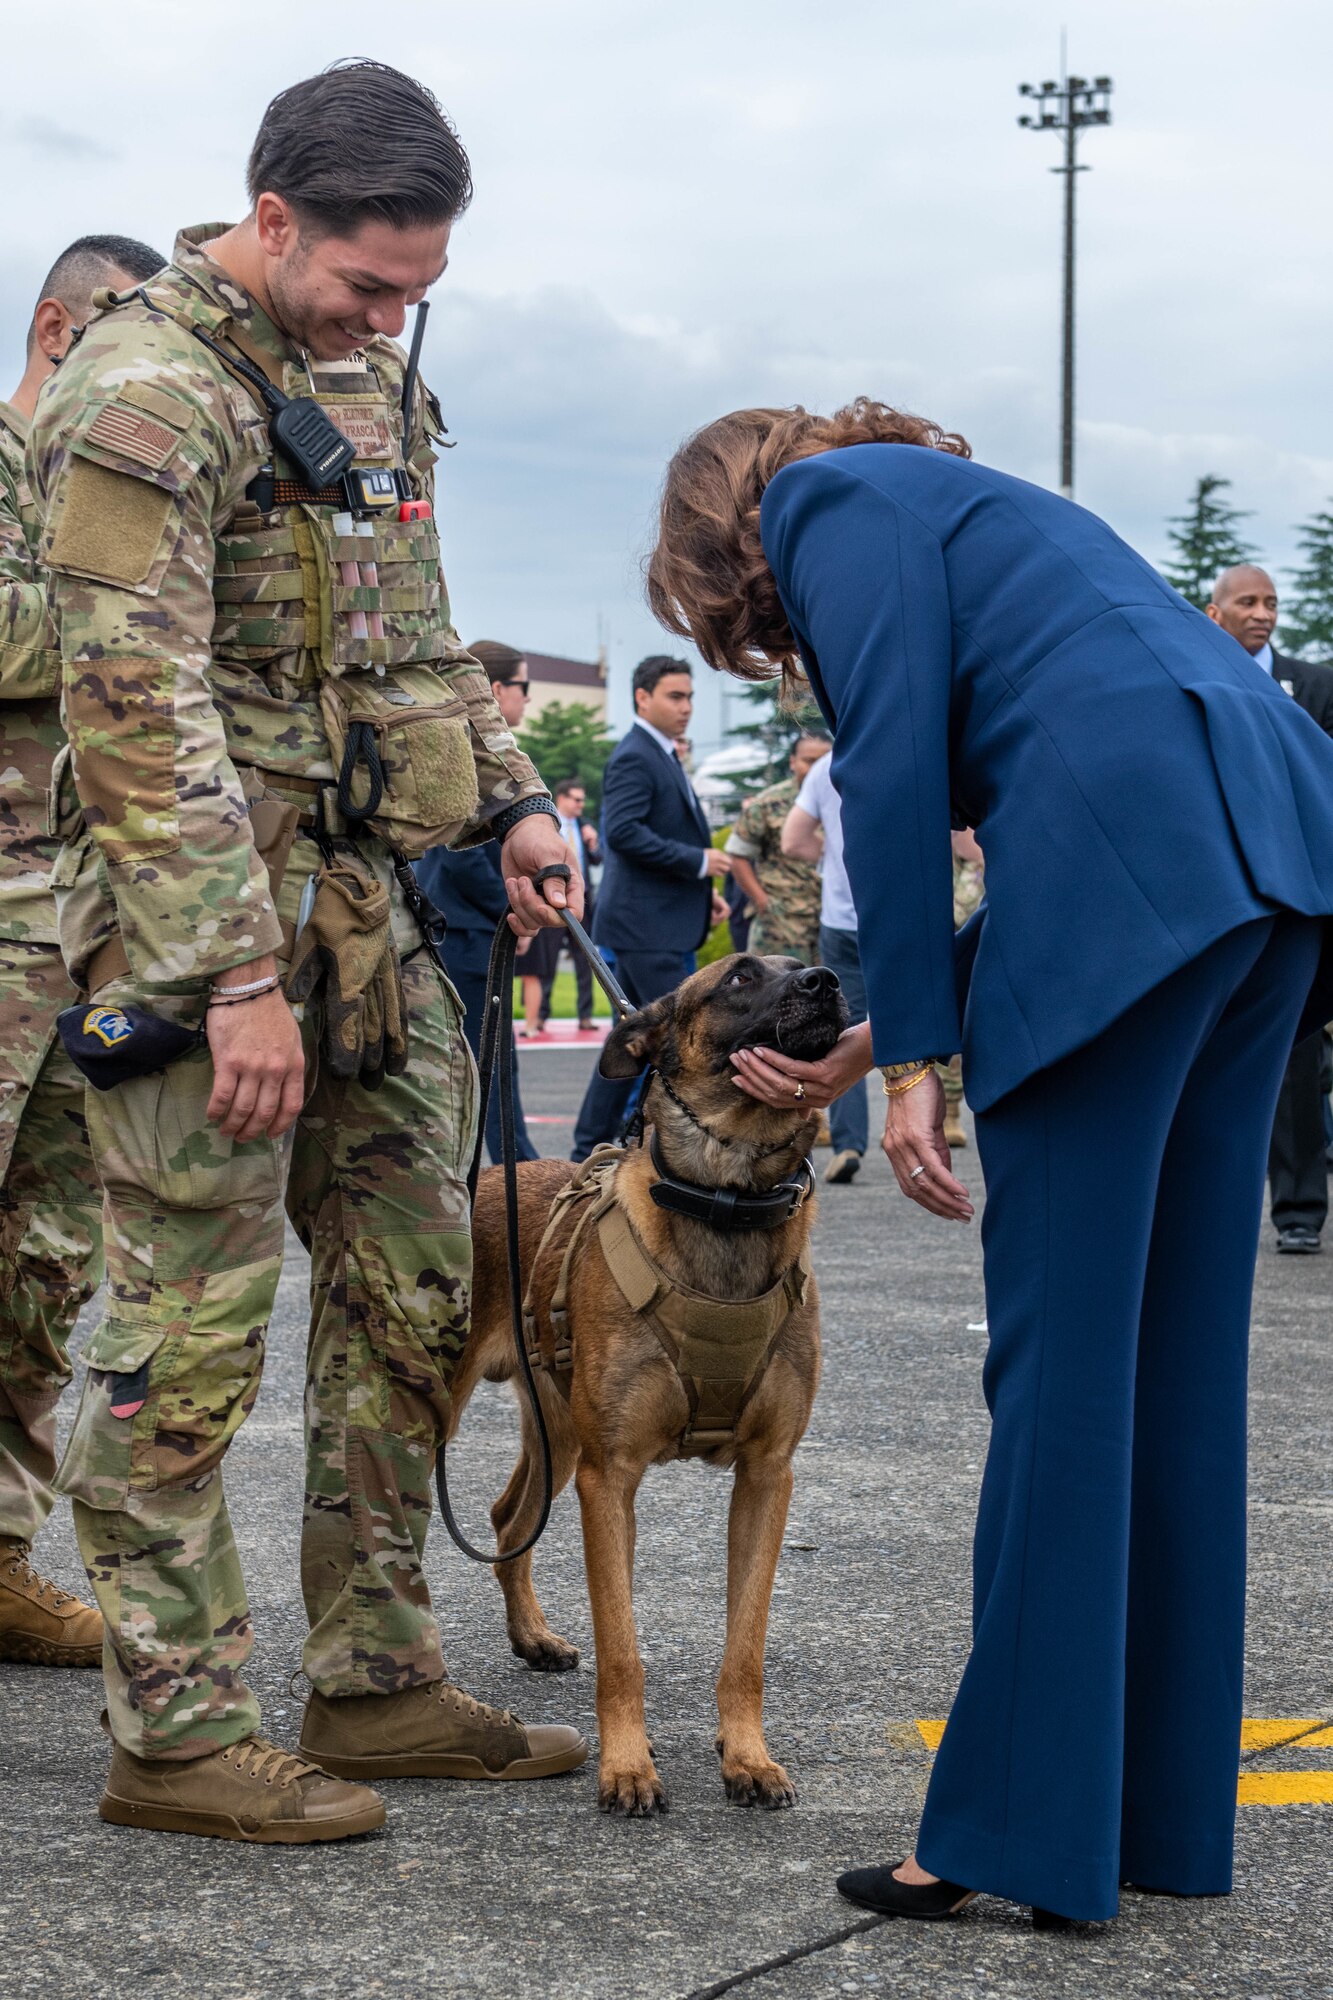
x: 358, y: 602
x: 719, y: 1348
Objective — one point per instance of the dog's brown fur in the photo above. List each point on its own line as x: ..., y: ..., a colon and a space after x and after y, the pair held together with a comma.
x: 627, y: 1407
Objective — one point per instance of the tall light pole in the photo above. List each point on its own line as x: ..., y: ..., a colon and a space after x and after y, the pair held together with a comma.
x: 1066, y: 107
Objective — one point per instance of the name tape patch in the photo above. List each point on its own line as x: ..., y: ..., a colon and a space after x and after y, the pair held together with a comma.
x: 364, y: 425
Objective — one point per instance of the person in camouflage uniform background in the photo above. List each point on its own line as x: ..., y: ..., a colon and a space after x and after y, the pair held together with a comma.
x: 50, y: 1233
x: 969, y: 886
x: 201, y: 620
x: 783, y: 890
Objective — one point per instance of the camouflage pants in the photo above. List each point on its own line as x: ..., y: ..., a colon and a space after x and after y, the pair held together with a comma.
x: 50, y: 1230
x: 951, y: 1076
x: 375, y: 1187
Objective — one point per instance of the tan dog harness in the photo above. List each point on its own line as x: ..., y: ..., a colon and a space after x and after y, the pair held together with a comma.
x: 720, y: 1348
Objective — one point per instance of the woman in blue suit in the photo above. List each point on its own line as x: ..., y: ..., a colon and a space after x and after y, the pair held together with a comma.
x: 1157, y: 819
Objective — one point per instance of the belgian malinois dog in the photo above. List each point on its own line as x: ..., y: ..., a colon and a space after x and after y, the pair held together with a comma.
x: 716, y: 1201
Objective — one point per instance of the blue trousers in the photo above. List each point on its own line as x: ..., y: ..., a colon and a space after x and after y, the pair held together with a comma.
x: 848, y: 1115
x: 1095, y: 1735
x: 471, y: 987
x: 645, y: 976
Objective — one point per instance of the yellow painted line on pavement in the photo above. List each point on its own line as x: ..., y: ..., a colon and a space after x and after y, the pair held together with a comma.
x: 1267, y: 1732
x: 1257, y: 1733
x: 1285, y: 1788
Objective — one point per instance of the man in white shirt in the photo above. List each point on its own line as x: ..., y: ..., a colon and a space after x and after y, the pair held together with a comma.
x: 813, y: 830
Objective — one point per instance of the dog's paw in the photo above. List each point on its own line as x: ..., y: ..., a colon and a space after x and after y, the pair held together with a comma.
x: 762, y: 1785
x: 632, y: 1794
x: 547, y: 1653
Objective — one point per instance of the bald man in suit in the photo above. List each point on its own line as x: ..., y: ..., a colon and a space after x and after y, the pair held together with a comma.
x: 1244, y: 603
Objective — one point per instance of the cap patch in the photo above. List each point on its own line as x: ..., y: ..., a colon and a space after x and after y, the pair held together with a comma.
x: 108, y: 1024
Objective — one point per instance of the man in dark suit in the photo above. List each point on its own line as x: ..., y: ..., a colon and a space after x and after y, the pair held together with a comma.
x: 466, y: 885
x: 656, y: 899
x: 1244, y: 603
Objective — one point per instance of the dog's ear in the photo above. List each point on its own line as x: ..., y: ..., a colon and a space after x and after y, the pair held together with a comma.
x: 635, y: 1042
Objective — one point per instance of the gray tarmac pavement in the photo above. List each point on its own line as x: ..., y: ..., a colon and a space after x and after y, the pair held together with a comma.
x: 517, y: 1890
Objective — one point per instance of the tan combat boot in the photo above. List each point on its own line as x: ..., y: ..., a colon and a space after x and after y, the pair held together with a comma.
x: 40, y: 1622
x: 954, y: 1134
x: 249, y: 1791
x: 823, y: 1136
x: 436, y: 1731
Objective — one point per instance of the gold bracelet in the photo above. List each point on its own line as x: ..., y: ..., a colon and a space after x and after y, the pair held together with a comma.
x: 910, y: 1083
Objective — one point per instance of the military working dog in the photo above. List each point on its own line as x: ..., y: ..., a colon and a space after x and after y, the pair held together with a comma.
x: 672, y: 1312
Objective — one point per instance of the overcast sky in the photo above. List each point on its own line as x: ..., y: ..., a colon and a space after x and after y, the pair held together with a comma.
x: 682, y: 208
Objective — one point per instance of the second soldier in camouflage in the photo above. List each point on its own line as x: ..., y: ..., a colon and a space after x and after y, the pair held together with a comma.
x: 783, y: 891
x: 50, y: 1224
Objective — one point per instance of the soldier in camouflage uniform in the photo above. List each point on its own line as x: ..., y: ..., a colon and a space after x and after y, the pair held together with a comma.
x: 783, y: 891
x: 50, y: 1233
x: 209, y: 628
x: 969, y: 886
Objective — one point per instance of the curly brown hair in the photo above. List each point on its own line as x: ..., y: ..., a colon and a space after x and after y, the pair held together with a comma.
x: 707, y: 578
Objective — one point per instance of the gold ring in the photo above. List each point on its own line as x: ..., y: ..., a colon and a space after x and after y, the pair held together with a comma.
x: 800, y: 1093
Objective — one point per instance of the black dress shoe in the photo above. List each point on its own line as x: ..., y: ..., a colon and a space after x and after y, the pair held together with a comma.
x: 929, y: 1902
x: 1297, y: 1242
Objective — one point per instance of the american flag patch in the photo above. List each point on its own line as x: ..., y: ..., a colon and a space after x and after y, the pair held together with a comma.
x: 130, y: 434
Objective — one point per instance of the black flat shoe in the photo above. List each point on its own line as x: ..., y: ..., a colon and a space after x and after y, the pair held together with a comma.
x: 879, y: 1889
x: 928, y: 1902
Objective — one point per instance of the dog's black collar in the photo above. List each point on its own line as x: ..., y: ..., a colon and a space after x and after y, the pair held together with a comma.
x: 727, y: 1208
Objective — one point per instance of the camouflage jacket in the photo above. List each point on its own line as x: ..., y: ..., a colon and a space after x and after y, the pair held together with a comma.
x: 969, y: 886
x: 790, y: 924
x: 30, y: 731
x: 198, y: 626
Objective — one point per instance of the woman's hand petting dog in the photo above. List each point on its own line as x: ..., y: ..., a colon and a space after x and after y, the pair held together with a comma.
x: 773, y: 1077
x: 913, y: 1129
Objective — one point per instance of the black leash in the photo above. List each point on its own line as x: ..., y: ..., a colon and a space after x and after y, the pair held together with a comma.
x: 497, y: 1051
x: 497, y: 1045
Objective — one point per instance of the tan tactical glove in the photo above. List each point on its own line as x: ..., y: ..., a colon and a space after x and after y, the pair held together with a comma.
x: 347, y: 944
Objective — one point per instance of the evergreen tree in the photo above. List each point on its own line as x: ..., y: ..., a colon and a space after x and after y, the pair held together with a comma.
x: 1307, y: 610
x: 772, y: 730
x: 570, y: 740
x: 1205, y: 540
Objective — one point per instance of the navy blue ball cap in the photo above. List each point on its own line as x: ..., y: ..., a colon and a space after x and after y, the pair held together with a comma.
x: 112, y: 1044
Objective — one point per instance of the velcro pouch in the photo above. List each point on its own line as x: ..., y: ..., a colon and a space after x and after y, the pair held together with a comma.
x: 402, y: 747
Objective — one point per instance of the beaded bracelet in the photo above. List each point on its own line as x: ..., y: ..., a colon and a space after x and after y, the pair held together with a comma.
x: 255, y: 985
x: 250, y: 993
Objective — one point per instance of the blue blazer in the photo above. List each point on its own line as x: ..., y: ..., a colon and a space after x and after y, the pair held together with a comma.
x: 466, y: 885
x: 990, y: 654
x: 651, y: 897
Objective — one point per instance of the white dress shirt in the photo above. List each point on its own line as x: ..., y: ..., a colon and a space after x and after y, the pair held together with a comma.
x: 819, y: 798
